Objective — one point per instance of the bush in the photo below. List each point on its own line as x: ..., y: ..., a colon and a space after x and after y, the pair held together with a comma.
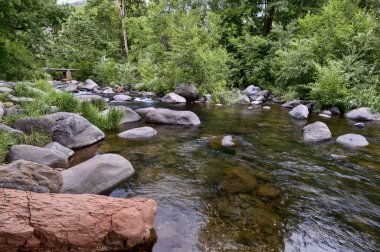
x: 329, y: 89
x: 109, y: 72
x: 65, y: 102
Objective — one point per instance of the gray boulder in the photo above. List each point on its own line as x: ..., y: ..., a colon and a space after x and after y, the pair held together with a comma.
x: 252, y: 90
x: 316, y: 132
x: 144, y: 111
x: 70, y: 130
x: 28, y: 176
x: 173, y: 98
x: 6, y: 90
x: 96, y: 175
x: 72, y: 87
x: 168, y: 116
x: 363, y: 114
x: 300, y: 112
x: 334, y: 111
x: 51, y: 158
x: 352, y: 140
x: 227, y: 141
x: 89, y: 85
x: 16, y: 110
x: 60, y: 148
x: 138, y: 133
x: 291, y: 104
x: 129, y: 114
x: 188, y: 91
x: 122, y: 97
x: 14, y: 132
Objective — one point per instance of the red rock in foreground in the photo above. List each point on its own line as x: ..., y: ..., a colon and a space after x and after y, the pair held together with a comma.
x: 64, y: 222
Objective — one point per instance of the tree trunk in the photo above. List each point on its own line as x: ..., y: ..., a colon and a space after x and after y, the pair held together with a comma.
x: 121, y: 5
x: 268, y: 20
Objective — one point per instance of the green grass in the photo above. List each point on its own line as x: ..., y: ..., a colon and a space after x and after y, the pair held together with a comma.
x: 8, y: 140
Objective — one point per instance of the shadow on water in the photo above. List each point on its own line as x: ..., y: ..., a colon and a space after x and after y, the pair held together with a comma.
x: 271, y: 192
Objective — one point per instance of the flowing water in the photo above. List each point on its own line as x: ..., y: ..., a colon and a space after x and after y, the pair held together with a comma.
x: 271, y: 192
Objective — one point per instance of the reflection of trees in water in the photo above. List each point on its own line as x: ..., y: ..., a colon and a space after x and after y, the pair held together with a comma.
x: 245, y: 213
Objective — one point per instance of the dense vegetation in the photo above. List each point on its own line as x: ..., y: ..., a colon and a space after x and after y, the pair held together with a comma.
x: 325, y: 50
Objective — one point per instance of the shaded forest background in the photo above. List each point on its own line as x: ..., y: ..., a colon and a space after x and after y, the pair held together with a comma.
x: 324, y: 50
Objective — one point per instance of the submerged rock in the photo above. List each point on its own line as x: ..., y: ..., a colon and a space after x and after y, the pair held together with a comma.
x: 69, y: 129
x: 97, y: 174
x: 238, y: 179
x: 359, y: 125
x: 300, y: 112
x: 29, y: 176
x: 227, y: 141
x: 187, y: 91
x: 315, y: 132
x: 173, y: 98
x: 352, y: 140
x: 55, y: 222
x: 138, y: 133
x: 51, y: 158
x: 268, y: 191
x: 168, y: 116
x: 363, y: 114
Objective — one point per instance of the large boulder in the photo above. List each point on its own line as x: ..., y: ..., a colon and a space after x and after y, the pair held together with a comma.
x: 352, y: 140
x: 188, y: 91
x: 363, y: 114
x: 29, y: 176
x: 138, y: 133
x: 62, y: 222
x: 315, y: 132
x: 168, y: 116
x: 89, y: 85
x: 252, y: 90
x: 51, y: 158
x: 129, y: 114
x: 173, y: 98
x: 300, y: 112
x: 59, y: 147
x: 97, y: 174
x: 69, y: 129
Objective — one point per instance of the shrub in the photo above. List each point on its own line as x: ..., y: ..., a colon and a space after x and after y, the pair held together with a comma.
x: 109, y: 72
x: 7, y: 140
x: 65, y: 102
x: 23, y: 90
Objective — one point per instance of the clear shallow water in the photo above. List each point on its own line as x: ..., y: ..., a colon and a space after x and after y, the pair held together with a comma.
x: 272, y: 192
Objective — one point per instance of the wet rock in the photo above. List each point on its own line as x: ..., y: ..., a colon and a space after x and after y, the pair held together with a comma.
x: 300, y: 112
x: 61, y: 223
x: 70, y: 88
x: 291, y: 104
x: 360, y: 125
x: 144, y: 111
x: 187, y: 91
x: 51, y: 158
x: 315, y: 132
x: 69, y: 129
x: 238, y: 179
x: 138, y: 133
x: 334, y: 111
x: 96, y: 175
x: 327, y: 112
x: 129, y: 114
x: 14, y: 132
x: 363, y: 114
x: 266, y: 107
x: 268, y: 191
x: 59, y: 147
x: 168, y: 116
x: 256, y: 102
x: 122, y: 97
x: 173, y: 98
x: 324, y: 116
x: 208, y: 97
x: 227, y: 141
x: 352, y: 140
x: 29, y: 176
x: 89, y: 85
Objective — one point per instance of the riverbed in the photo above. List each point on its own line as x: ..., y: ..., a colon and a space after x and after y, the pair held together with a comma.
x: 271, y: 192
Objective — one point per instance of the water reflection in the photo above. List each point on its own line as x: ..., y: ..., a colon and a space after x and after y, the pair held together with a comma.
x: 272, y: 192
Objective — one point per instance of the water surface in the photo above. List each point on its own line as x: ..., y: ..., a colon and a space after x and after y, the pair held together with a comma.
x: 271, y: 192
